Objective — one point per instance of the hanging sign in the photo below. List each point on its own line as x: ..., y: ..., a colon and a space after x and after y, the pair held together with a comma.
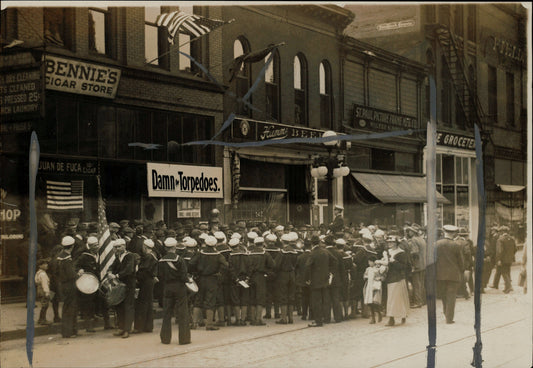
x: 184, y: 181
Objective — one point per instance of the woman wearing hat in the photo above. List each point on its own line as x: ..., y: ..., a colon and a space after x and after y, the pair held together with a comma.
x: 397, y: 293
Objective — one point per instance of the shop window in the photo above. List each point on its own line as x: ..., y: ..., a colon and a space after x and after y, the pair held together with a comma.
x: 143, y: 134
x: 88, y: 122
x: 509, y: 85
x: 55, y: 26
x: 448, y: 169
x: 300, y: 90
x: 100, y: 30
x: 359, y: 158
x: 205, y: 130
x: 67, y: 127
x: 125, y: 133
x: 493, y: 94
x: 160, y: 136
x: 106, y: 131
x: 156, y: 44
x: 471, y: 22
x: 174, y: 139
x: 326, y: 111
x: 188, y: 135
x: 272, y: 87
x: 405, y: 162
x: 438, y: 169
x: 382, y: 159
x: 47, y: 130
x: 242, y: 83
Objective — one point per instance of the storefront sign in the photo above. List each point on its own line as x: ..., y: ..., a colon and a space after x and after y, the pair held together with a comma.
x: 83, y: 78
x: 20, y: 94
x: 184, y: 181
x: 455, y: 141
x: 263, y: 131
x: 375, y: 119
x: 189, y: 208
x: 58, y: 166
x: 16, y: 59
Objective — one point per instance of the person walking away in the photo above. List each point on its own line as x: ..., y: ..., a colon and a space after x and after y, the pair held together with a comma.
x: 261, y: 265
x: 285, y: 265
x: 505, y: 256
x: 450, y: 266
x: 238, y: 268
x: 146, y: 274
x: 302, y: 277
x: 337, y: 282
x: 42, y: 282
x: 172, y: 272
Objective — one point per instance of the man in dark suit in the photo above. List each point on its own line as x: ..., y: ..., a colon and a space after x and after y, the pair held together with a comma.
x: 505, y: 256
x: 320, y: 265
x: 337, y: 226
x: 450, y: 267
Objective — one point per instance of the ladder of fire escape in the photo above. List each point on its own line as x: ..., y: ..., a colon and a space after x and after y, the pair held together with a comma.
x: 466, y: 95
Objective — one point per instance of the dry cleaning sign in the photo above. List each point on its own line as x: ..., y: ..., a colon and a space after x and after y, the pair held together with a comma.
x: 73, y: 76
x: 184, y: 181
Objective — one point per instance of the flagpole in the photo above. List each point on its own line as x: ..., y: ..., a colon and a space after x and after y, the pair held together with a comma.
x: 185, y: 43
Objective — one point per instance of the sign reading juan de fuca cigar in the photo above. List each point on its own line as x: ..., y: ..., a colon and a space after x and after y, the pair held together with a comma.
x: 74, y: 76
x: 184, y: 181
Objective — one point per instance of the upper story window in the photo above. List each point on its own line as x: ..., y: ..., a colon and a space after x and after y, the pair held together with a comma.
x: 300, y: 90
x: 242, y: 82
x: 471, y: 22
x: 184, y: 41
x: 155, y: 39
x: 446, y: 94
x: 493, y: 94
x: 55, y: 27
x: 509, y: 85
x: 272, y: 87
x: 99, y: 30
x: 326, y: 113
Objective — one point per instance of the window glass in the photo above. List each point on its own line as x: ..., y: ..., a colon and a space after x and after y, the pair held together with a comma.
x: 458, y: 170
x: 382, y: 159
x: 448, y: 169
x: 174, y: 139
x: 466, y: 164
x: 54, y: 26
x: 125, y: 135
x: 143, y: 134
x: 67, y: 122
x: 189, y: 135
x: 88, y: 129
x: 297, y: 73
x: 106, y: 131
x: 438, y: 168
x: 159, y: 136
x: 97, y: 29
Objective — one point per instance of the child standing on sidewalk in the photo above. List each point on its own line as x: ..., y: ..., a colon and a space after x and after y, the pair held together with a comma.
x: 42, y: 283
x: 372, y: 290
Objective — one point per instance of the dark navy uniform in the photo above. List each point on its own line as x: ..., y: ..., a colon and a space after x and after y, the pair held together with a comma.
x: 240, y: 296
x: 286, y: 282
x: 144, y: 320
x: 124, y: 268
x: 271, y: 295
x: 67, y: 276
x: 87, y: 302
x: 261, y: 264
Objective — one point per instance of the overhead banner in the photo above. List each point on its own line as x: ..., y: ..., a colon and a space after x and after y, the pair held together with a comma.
x: 74, y: 76
x: 183, y: 181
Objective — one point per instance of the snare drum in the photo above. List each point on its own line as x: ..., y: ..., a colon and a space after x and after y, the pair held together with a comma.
x: 87, y: 283
x: 114, y: 291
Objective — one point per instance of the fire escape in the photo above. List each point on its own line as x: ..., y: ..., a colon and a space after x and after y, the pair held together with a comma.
x: 464, y: 90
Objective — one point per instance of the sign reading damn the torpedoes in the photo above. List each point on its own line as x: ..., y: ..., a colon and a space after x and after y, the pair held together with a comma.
x: 184, y: 181
x: 82, y: 78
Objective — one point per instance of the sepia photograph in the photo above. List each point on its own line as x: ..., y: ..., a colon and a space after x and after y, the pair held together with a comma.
x: 265, y: 184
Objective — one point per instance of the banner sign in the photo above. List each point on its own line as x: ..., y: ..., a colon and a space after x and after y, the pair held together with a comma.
x: 20, y: 94
x: 263, y: 131
x: 455, y: 141
x: 369, y: 118
x: 73, y: 76
x: 66, y: 166
x: 189, y: 208
x: 183, y: 181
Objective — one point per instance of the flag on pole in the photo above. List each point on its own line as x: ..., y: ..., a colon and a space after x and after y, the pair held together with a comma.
x: 64, y: 195
x: 189, y: 24
x: 106, y: 253
x: 250, y: 57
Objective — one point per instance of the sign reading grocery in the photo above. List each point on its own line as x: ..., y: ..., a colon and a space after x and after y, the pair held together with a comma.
x: 73, y: 76
x: 184, y: 181
x: 455, y: 140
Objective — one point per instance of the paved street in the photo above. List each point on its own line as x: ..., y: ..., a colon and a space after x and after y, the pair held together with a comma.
x: 506, y: 321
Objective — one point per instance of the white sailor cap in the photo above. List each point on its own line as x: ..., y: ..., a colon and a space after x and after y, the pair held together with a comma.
x: 259, y: 240
x: 211, y: 241
x: 252, y: 235
x: 367, y: 236
x: 271, y: 237
x: 190, y: 242
x: 219, y: 235
x: 203, y: 236
x: 265, y: 233
x: 340, y: 241
x: 379, y: 232
x: 92, y: 240
x: 149, y: 243
x: 118, y: 242
x: 450, y: 228
x: 170, y: 242
x: 233, y: 242
x: 236, y: 236
x: 67, y: 241
x: 337, y: 207
x: 279, y: 228
x: 285, y: 238
x: 293, y: 236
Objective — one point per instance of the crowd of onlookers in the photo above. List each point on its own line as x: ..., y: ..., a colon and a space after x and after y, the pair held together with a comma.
x: 213, y: 274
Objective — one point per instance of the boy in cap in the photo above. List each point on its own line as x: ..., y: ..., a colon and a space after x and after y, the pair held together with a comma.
x: 67, y: 285
x: 42, y: 282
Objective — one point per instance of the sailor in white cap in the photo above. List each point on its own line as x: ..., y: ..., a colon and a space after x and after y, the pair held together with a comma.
x: 66, y: 269
x: 224, y: 295
x: 261, y: 264
x: 172, y: 273
x: 146, y: 272
x: 240, y: 294
x: 271, y: 247
x: 286, y: 278
x: 337, y: 226
x: 87, y: 263
x: 250, y: 236
x: 450, y: 265
x: 209, y: 265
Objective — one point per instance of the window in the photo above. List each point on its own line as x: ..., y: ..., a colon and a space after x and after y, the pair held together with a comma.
x: 99, y: 28
x: 155, y: 39
x: 446, y: 94
x: 509, y: 85
x: 55, y: 22
x: 326, y: 111
x: 458, y: 20
x: 444, y: 15
x: 190, y: 48
x: 493, y: 94
x: 300, y: 90
x: 272, y: 87
x: 471, y: 23
x: 242, y: 83
x: 382, y: 159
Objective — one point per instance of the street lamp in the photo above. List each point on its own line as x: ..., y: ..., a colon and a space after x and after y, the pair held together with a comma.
x: 329, y: 168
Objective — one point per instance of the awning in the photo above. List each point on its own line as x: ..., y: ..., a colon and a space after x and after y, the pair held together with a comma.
x: 511, y: 188
x: 396, y: 188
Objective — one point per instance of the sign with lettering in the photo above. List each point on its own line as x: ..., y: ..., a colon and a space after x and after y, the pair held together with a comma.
x: 455, y: 140
x: 20, y: 94
x: 165, y: 180
x: 58, y: 166
x: 263, y: 131
x: 74, y: 76
x: 369, y: 118
x: 187, y: 208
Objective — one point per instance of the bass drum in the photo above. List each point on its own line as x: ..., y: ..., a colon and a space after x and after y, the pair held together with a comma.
x: 114, y: 291
x: 87, y: 283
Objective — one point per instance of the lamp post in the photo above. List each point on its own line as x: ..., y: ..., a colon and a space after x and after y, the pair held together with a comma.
x: 329, y: 167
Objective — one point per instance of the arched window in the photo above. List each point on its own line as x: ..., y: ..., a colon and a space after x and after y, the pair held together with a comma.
x: 300, y: 90
x: 272, y: 88
x: 242, y: 79
x: 326, y: 108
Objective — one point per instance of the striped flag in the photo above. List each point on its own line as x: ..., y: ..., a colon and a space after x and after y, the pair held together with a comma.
x: 106, y: 253
x: 189, y: 24
x: 64, y: 195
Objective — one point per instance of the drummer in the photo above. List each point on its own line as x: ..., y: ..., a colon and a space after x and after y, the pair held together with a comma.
x: 86, y: 263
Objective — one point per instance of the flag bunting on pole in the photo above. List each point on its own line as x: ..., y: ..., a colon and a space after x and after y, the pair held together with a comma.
x: 106, y: 253
x: 189, y: 24
x: 250, y: 57
x: 64, y: 195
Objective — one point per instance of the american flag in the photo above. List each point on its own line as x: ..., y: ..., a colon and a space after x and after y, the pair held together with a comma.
x: 106, y: 253
x: 64, y: 195
x: 189, y: 24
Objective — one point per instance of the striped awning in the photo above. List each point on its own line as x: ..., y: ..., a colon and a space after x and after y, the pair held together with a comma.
x: 396, y: 188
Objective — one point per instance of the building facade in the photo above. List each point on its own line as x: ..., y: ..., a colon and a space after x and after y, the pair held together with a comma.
x: 477, y: 55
